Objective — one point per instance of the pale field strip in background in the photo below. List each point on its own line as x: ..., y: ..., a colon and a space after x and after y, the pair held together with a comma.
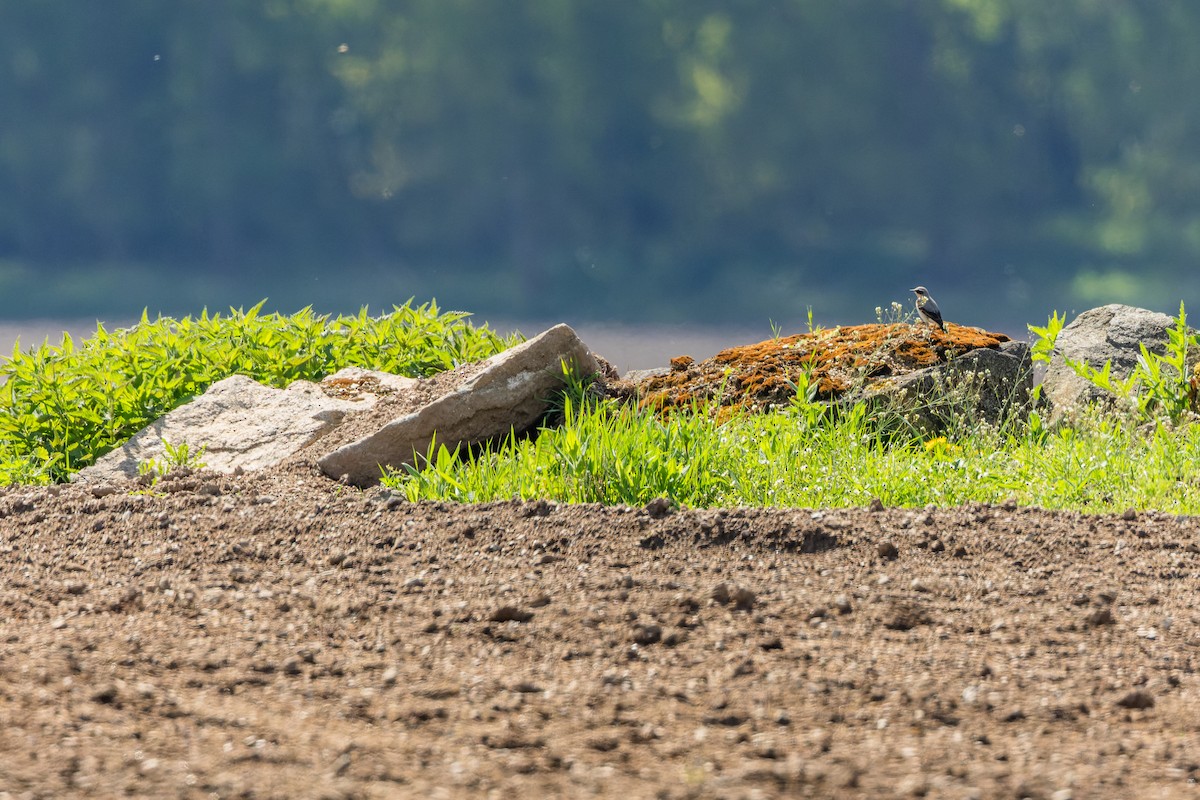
x: 625, y: 346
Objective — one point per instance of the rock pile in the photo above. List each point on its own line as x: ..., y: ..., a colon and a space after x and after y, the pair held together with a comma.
x: 356, y: 422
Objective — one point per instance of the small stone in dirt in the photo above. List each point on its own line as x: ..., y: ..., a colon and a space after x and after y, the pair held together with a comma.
x: 605, y: 744
x: 888, y: 550
x: 842, y: 604
x: 526, y: 687
x: 1129, y: 515
x: 1016, y: 715
x: 745, y: 667
x: 1100, y: 616
x: 652, y: 542
x: 742, y: 598
x: 510, y: 741
x: 106, y: 694
x: 1138, y: 699
x: 675, y: 638
x: 906, y: 616
x: 510, y: 614
x: 658, y: 508
x: 960, y: 552
x: 537, y: 508
x: 645, y: 634
x: 730, y: 719
x: 876, y: 505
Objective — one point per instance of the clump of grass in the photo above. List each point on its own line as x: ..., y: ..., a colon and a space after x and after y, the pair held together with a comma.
x: 815, y: 456
x: 175, y: 456
x: 63, y: 406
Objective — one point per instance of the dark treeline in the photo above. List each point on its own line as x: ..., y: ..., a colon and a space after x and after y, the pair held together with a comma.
x: 686, y: 159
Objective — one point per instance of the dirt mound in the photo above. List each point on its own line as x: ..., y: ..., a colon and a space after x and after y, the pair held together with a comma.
x: 283, y: 636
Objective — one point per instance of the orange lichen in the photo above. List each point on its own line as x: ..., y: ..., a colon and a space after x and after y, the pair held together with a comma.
x: 760, y: 376
x: 680, y: 363
x: 1194, y: 388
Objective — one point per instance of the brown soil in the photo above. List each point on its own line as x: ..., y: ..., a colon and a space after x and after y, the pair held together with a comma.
x: 286, y: 637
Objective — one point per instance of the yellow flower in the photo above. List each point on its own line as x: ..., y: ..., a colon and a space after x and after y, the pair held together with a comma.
x: 941, y: 447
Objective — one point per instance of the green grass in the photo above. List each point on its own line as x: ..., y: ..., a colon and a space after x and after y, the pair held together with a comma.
x: 62, y: 406
x: 612, y: 456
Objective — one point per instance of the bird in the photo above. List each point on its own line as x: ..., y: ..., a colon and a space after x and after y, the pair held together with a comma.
x: 927, y: 309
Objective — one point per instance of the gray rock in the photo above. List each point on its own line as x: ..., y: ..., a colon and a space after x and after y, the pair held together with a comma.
x: 239, y: 422
x: 1109, y: 333
x: 985, y: 385
x: 639, y: 375
x: 509, y: 391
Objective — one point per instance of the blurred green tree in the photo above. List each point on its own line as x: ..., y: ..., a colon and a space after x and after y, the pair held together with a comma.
x: 692, y: 158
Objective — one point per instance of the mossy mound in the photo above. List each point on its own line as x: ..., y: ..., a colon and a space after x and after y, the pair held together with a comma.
x: 763, y: 376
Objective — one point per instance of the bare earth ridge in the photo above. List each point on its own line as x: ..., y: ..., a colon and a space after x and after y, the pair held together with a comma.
x: 283, y: 636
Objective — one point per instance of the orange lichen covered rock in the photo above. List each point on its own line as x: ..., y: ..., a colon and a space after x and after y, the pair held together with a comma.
x: 761, y: 376
x: 1194, y: 388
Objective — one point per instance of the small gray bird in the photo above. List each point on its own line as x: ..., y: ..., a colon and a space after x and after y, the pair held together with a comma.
x: 927, y: 309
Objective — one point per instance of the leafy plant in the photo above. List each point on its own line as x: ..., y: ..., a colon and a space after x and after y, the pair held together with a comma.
x: 174, y: 456
x: 805, y: 406
x: 809, y: 324
x: 577, y: 387
x: 1047, y: 337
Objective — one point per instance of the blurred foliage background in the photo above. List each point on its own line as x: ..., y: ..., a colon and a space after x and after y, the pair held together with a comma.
x: 657, y: 160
